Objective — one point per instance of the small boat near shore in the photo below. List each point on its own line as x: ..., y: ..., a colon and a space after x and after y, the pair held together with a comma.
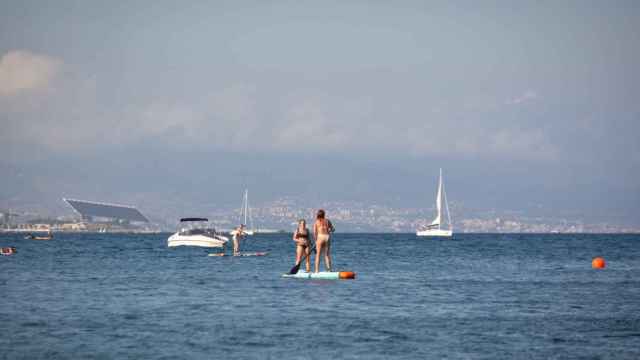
x: 30, y: 236
x: 6, y: 251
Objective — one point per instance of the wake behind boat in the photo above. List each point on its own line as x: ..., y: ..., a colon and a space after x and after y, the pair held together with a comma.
x: 435, y: 228
x: 196, y: 232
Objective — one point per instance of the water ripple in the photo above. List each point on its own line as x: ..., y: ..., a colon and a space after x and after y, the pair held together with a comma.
x: 476, y: 296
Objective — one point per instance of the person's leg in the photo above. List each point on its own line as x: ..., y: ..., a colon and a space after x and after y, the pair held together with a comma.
x: 307, y: 251
x: 299, y: 251
x: 318, y: 251
x: 327, y: 255
x: 236, y: 246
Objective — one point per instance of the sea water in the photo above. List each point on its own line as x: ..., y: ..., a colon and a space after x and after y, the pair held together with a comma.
x: 474, y: 296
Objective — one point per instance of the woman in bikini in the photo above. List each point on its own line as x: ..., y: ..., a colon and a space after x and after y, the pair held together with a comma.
x: 301, y: 238
x: 322, y: 230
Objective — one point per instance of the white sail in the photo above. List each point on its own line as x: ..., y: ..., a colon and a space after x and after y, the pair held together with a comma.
x: 438, y: 219
x: 446, y: 204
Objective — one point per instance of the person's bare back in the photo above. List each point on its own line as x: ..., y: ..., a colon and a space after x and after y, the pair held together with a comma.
x: 322, y: 229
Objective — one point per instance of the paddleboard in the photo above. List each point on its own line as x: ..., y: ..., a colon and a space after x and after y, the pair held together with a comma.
x: 323, y: 275
x: 242, y: 254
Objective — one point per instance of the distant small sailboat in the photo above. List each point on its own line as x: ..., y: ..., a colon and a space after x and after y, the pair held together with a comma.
x: 245, y: 212
x: 435, y: 228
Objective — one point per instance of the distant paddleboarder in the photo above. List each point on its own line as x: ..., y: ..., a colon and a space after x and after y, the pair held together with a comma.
x: 322, y: 230
x: 303, y: 246
x: 238, y: 234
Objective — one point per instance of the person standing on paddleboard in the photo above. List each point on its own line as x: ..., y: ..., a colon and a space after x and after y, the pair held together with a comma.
x: 238, y: 234
x: 301, y: 238
x: 322, y: 230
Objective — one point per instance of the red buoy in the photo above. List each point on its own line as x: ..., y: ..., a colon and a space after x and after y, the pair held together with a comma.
x: 598, y: 263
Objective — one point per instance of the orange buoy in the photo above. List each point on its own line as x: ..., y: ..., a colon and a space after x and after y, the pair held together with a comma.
x: 347, y: 275
x: 598, y: 263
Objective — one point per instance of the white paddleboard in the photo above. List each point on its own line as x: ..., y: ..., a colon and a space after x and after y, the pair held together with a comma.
x: 323, y: 275
x: 259, y: 253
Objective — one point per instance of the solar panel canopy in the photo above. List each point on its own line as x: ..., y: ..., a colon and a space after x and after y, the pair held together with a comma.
x: 113, y: 211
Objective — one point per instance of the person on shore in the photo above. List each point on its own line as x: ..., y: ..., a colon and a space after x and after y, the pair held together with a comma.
x: 238, y: 234
x: 322, y: 230
x: 303, y: 246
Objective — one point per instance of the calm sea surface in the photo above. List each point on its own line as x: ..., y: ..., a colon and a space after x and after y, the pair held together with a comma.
x: 476, y: 296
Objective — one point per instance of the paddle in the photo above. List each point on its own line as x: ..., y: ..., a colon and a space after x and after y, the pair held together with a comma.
x: 296, y: 267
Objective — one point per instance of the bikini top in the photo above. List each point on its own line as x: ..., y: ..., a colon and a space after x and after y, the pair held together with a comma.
x: 304, y: 235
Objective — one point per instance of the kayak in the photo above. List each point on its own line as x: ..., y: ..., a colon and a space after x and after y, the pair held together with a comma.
x: 323, y: 275
x: 242, y: 254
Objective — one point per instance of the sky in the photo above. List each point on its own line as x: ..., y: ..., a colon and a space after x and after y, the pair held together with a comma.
x: 525, y: 105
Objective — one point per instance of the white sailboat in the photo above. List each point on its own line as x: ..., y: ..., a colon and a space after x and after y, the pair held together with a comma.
x: 245, y: 214
x: 436, y: 228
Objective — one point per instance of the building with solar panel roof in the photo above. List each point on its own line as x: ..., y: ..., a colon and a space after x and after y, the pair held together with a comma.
x: 92, y: 211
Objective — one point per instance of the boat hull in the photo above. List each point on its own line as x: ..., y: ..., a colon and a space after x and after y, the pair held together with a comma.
x: 435, y: 233
x: 196, y: 240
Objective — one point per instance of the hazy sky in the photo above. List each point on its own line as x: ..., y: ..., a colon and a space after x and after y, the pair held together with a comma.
x: 524, y: 104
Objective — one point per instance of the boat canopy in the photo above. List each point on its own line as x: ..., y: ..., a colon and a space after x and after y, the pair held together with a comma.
x: 193, y: 219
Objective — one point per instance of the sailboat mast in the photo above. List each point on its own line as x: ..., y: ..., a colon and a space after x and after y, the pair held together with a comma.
x: 250, y: 219
x: 248, y: 210
x: 439, y: 200
x: 246, y: 205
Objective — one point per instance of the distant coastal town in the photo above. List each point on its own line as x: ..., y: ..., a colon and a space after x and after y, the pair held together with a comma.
x: 281, y: 215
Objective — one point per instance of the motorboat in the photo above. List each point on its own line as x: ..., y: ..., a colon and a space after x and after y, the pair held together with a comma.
x: 196, y: 232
